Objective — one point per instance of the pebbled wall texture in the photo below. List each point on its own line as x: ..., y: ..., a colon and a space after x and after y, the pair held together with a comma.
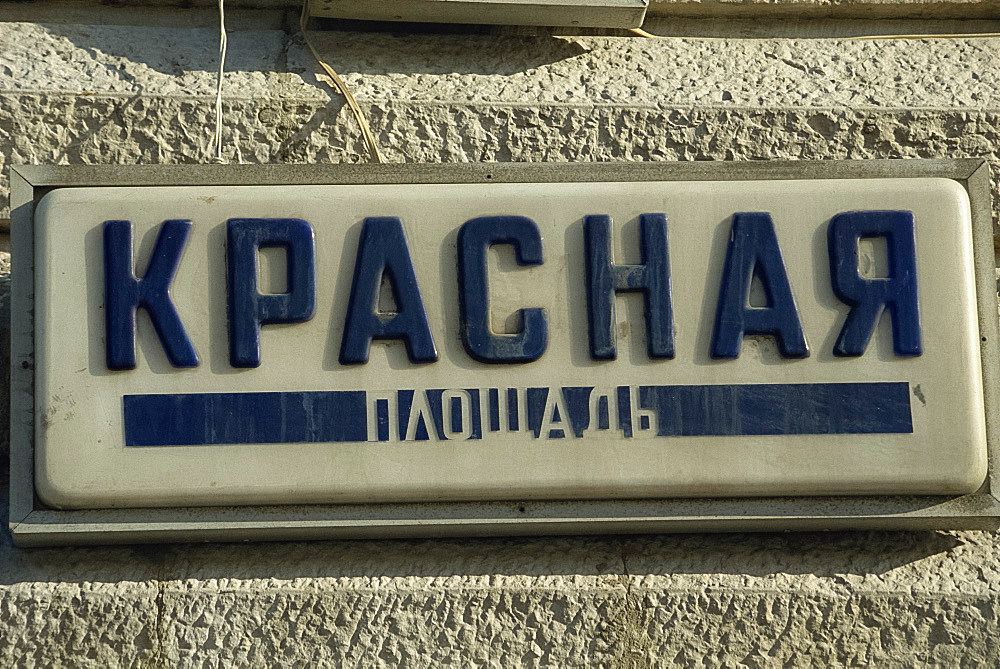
x: 98, y: 84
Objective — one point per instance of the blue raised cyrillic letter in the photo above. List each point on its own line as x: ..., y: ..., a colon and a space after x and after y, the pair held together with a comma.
x: 651, y: 278
x: 754, y: 251
x: 248, y: 309
x: 383, y: 250
x: 123, y: 294
x: 474, y: 239
x: 869, y: 297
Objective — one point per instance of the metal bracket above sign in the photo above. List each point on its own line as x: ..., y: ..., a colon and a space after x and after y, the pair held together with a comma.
x: 33, y: 522
x: 580, y: 13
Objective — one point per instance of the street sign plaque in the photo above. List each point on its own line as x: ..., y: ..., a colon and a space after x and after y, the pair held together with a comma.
x: 502, y: 336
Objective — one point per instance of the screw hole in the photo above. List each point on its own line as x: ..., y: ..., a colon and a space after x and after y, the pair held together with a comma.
x: 521, y: 509
x: 489, y: 176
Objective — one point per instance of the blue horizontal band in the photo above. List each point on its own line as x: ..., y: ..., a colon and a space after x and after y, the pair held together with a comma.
x: 341, y: 416
x: 244, y: 418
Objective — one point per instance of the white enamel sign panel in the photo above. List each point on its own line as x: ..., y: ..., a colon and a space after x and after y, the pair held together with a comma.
x: 321, y: 344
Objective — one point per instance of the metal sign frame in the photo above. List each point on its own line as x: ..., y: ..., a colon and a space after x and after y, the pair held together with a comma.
x: 576, y: 13
x: 31, y: 523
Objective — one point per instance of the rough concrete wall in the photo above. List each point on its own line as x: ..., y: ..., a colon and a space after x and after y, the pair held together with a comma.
x: 81, y: 93
x: 863, y: 599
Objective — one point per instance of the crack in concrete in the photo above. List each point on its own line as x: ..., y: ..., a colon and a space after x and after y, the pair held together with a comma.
x: 628, y: 580
x: 158, y: 645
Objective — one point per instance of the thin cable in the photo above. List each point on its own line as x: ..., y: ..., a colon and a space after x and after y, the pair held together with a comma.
x: 223, y: 44
x: 366, y: 131
x: 642, y: 33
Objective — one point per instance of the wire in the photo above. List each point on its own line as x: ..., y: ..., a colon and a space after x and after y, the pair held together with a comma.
x: 223, y: 44
x: 642, y: 33
x: 366, y: 131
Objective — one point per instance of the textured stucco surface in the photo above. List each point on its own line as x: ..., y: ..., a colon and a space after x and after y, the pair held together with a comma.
x: 81, y: 93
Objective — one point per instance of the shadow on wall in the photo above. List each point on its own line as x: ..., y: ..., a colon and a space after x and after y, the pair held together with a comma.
x: 412, y: 49
x: 183, y: 52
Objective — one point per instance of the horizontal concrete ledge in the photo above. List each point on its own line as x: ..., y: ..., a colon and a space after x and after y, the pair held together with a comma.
x: 816, y: 9
x: 830, y: 30
x: 668, y: 23
x: 269, y: 16
x: 861, y: 9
